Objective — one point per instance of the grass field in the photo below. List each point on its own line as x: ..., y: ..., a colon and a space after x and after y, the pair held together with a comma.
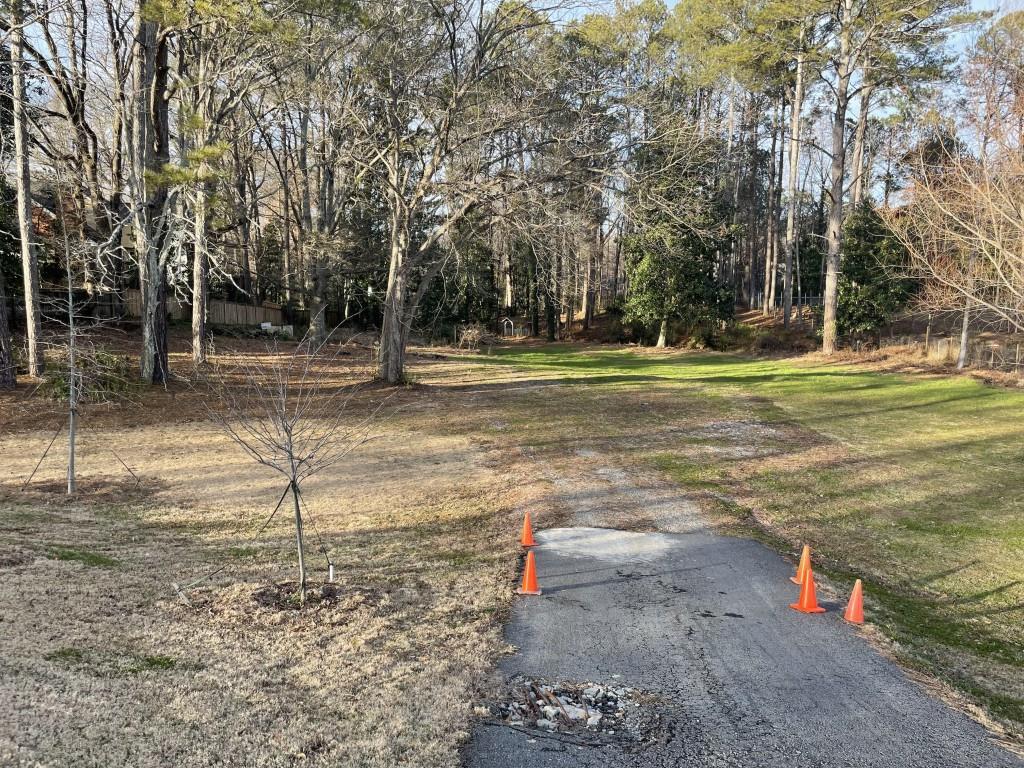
x: 914, y: 483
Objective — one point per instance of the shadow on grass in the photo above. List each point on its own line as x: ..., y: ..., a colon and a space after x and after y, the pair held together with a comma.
x: 567, y: 381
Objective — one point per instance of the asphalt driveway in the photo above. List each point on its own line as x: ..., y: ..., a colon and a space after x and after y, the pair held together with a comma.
x: 701, y: 622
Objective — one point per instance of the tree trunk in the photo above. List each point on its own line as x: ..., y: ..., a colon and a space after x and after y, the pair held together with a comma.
x: 750, y: 203
x: 965, y: 336
x: 200, y: 275
x: 662, y: 335
x: 153, y: 284
x: 551, y: 307
x: 150, y: 153
x: 618, y: 256
x: 73, y: 375
x: 587, y: 293
x: 534, y: 296
x: 318, y: 305
x: 391, y: 361
x: 505, y: 264
x: 26, y: 233
x: 558, y: 290
x: 286, y: 228
x: 593, y: 251
x: 298, y: 543
x: 72, y: 432
x: 734, y: 251
x: 549, y: 316
x: 776, y: 236
x: 8, y: 378
x: 799, y: 285
x: 392, y: 354
x: 835, y: 216
x: 860, y: 137
x: 768, y: 298
x: 305, y: 204
x: 794, y: 166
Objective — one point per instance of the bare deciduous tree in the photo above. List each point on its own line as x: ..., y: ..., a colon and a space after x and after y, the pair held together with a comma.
x: 290, y: 410
x: 964, y: 229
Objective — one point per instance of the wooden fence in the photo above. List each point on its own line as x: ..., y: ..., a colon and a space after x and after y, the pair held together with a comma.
x: 218, y: 312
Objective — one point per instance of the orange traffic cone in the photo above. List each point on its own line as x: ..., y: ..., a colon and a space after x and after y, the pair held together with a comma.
x: 526, y: 539
x: 808, y: 602
x: 529, y: 577
x: 855, y: 608
x: 805, y: 560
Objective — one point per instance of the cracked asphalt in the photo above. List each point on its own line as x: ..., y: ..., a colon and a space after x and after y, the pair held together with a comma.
x: 702, y: 622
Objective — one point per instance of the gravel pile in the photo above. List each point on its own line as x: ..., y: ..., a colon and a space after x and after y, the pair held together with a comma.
x: 566, y: 707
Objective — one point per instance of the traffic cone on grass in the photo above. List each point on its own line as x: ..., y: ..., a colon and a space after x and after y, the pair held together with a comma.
x: 529, y: 577
x: 526, y: 538
x: 805, y: 560
x: 808, y: 602
x: 855, y: 608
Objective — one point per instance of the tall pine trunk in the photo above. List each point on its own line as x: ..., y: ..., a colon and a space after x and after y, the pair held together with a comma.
x: 770, y: 255
x: 835, y: 215
x: 794, y: 166
x: 776, y: 234
x: 859, y: 140
x: 26, y: 233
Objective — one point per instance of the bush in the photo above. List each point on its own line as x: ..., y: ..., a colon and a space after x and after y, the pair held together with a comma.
x: 473, y: 335
x: 104, y: 376
x: 740, y: 337
x: 871, y: 291
x: 616, y: 308
x: 248, y: 332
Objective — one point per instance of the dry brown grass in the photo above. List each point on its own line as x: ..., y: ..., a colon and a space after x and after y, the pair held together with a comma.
x: 910, y: 359
x: 105, y: 665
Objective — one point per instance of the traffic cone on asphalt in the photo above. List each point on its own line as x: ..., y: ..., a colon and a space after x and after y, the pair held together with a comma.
x: 805, y: 560
x: 526, y: 539
x: 855, y: 608
x: 529, y: 577
x: 808, y: 602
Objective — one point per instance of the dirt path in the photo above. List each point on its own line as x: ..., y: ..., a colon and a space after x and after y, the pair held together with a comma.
x: 698, y: 622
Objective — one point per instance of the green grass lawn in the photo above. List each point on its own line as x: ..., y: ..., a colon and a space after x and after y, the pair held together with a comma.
x: 914, y: 483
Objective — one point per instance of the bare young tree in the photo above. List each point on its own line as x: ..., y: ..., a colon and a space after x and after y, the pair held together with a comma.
x: 92, y: 374
x: 290, y: 410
